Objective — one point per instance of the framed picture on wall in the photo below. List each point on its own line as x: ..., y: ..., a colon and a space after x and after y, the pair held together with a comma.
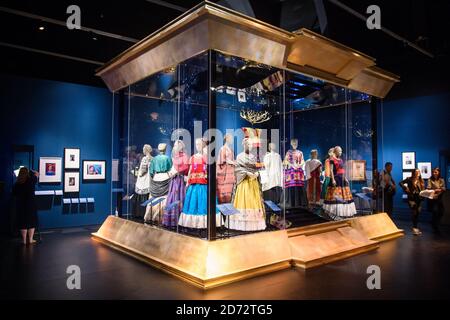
x: 71, y: 182
x: 408, y: 160
x: 94, y: 170
x: 407, y: 174
x: 425, y: 169
x: 71, y: 158
x: 357, y: 170
x: 50, y: 169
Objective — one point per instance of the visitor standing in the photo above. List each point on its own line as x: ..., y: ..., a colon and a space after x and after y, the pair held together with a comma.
x: 437, y: 184
x: 388, y: 188
x: 26, y: 208
x: 412, y: 187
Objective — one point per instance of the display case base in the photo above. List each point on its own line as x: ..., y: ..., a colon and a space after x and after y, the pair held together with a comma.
x: 208, y: 264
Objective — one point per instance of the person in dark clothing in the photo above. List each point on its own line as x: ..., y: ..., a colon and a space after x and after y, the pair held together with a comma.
x: 412, y: 187
x: 387, y: 185
x: 437, y: 184
x: 26, y: 209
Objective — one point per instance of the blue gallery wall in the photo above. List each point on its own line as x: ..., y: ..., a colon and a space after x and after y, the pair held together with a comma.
x: 51, y: 116
x: 419, y: 124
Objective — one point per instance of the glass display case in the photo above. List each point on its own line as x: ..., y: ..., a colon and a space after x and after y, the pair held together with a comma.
x: 219, y: 146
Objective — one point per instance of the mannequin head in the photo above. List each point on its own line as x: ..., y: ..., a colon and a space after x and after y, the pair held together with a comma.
x: 331, y: 152
x: 272, y: 147
x: 338, y: 151
x: 199, y: 145
x: 314, y: 154
x: 147, y: 149
x: 247, y: 145
x: 178, y: 146
x: 162, y: 147
x: 294, y: 144
x: 228, y: 139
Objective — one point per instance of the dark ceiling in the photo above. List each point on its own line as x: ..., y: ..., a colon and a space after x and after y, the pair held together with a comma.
x: 424, y: 22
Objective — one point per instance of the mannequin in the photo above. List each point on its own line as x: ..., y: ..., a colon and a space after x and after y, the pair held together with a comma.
x: 273, y: 184
x: 159, y: 172
x: 294, y: 178
x: 313, y: 169
x: 142, y: 187
x: 225, y: 171
x: 177, y: 189
x: 194, y: 213
x: 247, y: 196
x: 327, y: 175
x: 338, y: 202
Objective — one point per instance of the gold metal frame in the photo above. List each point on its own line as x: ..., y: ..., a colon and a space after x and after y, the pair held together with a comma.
x: 208, y: 264
x: 211, y: 26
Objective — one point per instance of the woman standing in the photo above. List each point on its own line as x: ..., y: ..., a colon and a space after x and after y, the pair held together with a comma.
x: 23, y: 191
x: 437, y: 184
x: 413, y: 186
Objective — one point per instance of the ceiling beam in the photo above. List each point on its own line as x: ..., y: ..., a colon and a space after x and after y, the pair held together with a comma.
x: 168, y: 5
x: 49, y: 53
x: 63, y: 24
x: 385, y: 30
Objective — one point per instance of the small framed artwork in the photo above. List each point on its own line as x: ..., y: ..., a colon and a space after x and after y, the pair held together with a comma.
x: 50, y: 169
x: 357, y: 170
x: 407, y: 174
x: 71, y: 182
x: 425, y: 169
x: 71, y: 158
x: 94, y: 170
x: 408, y: 160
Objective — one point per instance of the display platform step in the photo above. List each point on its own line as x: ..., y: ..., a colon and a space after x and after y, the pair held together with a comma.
x: 324, y: 245
x: 214, y: 263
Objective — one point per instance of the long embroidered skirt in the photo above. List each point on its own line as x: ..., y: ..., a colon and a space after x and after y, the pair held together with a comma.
x: 194, y: 213
x: 247, y: 200
x: 177, y: 192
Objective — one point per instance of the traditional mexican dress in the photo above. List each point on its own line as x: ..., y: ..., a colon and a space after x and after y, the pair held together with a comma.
x: 326, y: 181
x: 312, y: 170
x: 159, y: 186
x: 225, y: 175
x: 272, y: 177
x: 247, y: 197
x: 142, y: 187
x: 177, y: 189
x: 159, y: 171
x: 194, y: 213
x: 338, y: 199
x: 294, y: 181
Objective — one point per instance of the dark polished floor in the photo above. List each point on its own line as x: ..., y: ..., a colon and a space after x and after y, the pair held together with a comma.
x: 411, y: 268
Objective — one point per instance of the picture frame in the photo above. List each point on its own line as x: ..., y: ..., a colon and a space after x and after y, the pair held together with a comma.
x: 357, y: 170
x: 71, y: 158
x: 50, y: 169
x: 94, y: 170
x: 406, y: 174
x: 71, y: 182
x: 425, y: 169
x: 408, y: 160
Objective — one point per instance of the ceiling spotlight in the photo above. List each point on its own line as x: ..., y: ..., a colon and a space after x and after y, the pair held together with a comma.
x: 41, y: 28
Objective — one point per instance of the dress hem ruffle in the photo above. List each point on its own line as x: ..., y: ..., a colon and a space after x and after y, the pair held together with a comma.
x: 344, y: 210
x: 197, y: 221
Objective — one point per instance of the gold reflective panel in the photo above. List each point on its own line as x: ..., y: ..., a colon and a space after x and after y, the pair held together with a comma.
x: 210, y: 26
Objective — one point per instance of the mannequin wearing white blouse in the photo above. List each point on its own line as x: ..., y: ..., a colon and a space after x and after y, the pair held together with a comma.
x: 272, y: 184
